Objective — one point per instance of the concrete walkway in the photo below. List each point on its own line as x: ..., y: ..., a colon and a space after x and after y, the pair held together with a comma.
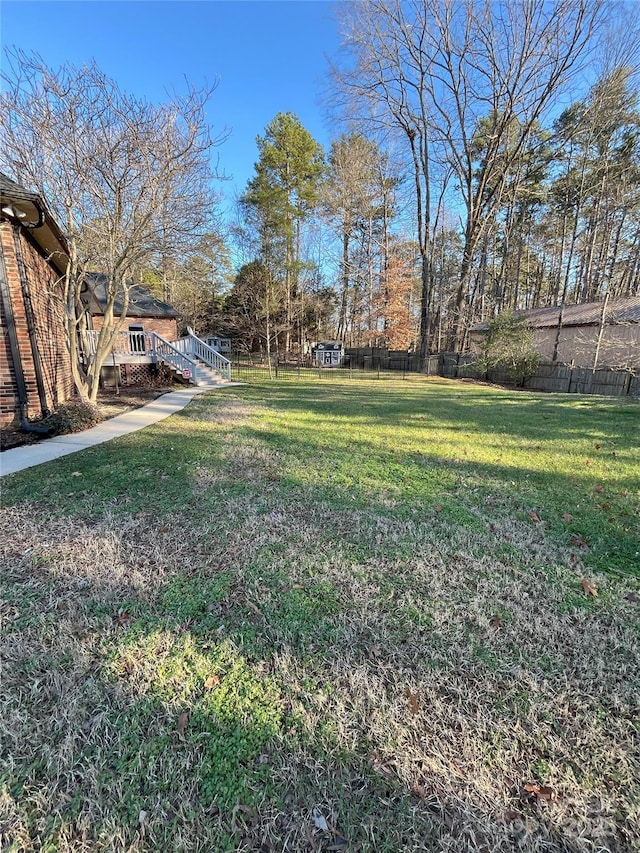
x: 53, y: 448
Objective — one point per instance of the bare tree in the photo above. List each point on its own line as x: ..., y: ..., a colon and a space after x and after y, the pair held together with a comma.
x: 437, y: 69
x: 358, y: 201
x: 125, y: 179
x: 389, y: 75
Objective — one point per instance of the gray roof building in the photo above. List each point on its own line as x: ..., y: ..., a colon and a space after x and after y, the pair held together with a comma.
x: 142, y: 303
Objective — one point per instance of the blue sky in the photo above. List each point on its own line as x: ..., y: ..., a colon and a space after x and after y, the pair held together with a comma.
x: 267, y: 55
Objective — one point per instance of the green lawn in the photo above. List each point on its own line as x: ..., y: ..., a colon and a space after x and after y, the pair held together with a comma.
x: 347, y: 615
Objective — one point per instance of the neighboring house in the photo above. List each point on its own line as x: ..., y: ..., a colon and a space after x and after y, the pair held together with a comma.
x: 35, y: 369
x: 616, y: 340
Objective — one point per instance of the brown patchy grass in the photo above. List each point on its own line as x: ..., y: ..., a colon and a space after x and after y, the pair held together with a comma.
x: 381, y: 678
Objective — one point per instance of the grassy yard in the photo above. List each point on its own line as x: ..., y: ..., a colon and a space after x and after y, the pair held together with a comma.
x: 347, y: 616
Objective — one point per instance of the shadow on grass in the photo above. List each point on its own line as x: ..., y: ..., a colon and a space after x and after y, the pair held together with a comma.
x: 459, y: 406
x: 333, y: 652
x: 272, y: 705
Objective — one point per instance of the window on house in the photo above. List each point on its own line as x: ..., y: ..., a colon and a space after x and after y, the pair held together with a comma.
x: 136, y: 338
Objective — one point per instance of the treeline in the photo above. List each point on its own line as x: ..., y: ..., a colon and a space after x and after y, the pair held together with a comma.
x: 460, y: 187
x: 486, y: 157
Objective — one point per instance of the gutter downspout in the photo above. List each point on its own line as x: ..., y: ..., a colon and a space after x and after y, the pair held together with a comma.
x: 15, y: 353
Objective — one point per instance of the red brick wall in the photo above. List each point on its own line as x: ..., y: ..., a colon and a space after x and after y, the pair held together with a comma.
x: 7, y: 373
x: 46, y: 300
x: 165, y: 326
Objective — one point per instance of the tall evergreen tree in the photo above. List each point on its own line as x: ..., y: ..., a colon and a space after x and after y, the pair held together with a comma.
x: 278, y: 199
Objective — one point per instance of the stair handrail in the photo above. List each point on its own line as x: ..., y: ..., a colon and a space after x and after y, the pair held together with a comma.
x: 172, y: 355
x: 211, y: 357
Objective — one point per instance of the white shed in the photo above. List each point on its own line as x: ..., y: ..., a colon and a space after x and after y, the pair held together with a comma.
x: 328, y: 354
x: 221, y: 345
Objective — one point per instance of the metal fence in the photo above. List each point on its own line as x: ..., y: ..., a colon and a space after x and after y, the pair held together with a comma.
x: 247, y: 369
x: 382, y: 364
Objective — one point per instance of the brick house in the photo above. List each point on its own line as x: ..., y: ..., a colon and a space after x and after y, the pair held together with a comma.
x: 35, y: 370
x: 147, y: 349
x: 35, y: 366
x: 132, y: 359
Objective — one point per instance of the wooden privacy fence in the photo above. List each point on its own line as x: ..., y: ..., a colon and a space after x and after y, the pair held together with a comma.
x: 563, y: 378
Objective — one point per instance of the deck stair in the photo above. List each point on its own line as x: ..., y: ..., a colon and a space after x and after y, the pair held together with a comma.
x: 210, y: 366
x: 189, y: 357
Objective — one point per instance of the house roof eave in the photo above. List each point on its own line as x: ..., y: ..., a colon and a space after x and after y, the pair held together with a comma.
x: 29, y: 210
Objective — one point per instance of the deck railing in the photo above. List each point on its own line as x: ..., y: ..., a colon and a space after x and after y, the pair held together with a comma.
x: 182, y: 354
x: 192, y: 346
x: 126, y: 343
x: 171, y: 354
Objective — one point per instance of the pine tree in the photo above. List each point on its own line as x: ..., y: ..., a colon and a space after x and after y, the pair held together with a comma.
x: 279, y: 198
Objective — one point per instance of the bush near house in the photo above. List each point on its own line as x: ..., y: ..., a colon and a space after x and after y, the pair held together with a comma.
x: 72, y: 417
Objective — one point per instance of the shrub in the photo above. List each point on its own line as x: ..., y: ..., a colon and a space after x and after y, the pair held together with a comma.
x: 508, y: 346
x: 72, y: 417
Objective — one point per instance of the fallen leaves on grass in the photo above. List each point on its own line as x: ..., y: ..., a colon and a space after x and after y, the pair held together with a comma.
x: 496, y: 621
x: 319, y: 820
x: 413, y: 701
x: 579, y: 540
x: 511, y: 816
x: 183, y: 722
x: 255, y: 608
x: 212, y: 682
x: 533, y: 515
x: 121, y: 617
x: 589, y: 588
x: 543, y: 792
x: 567, y: 517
